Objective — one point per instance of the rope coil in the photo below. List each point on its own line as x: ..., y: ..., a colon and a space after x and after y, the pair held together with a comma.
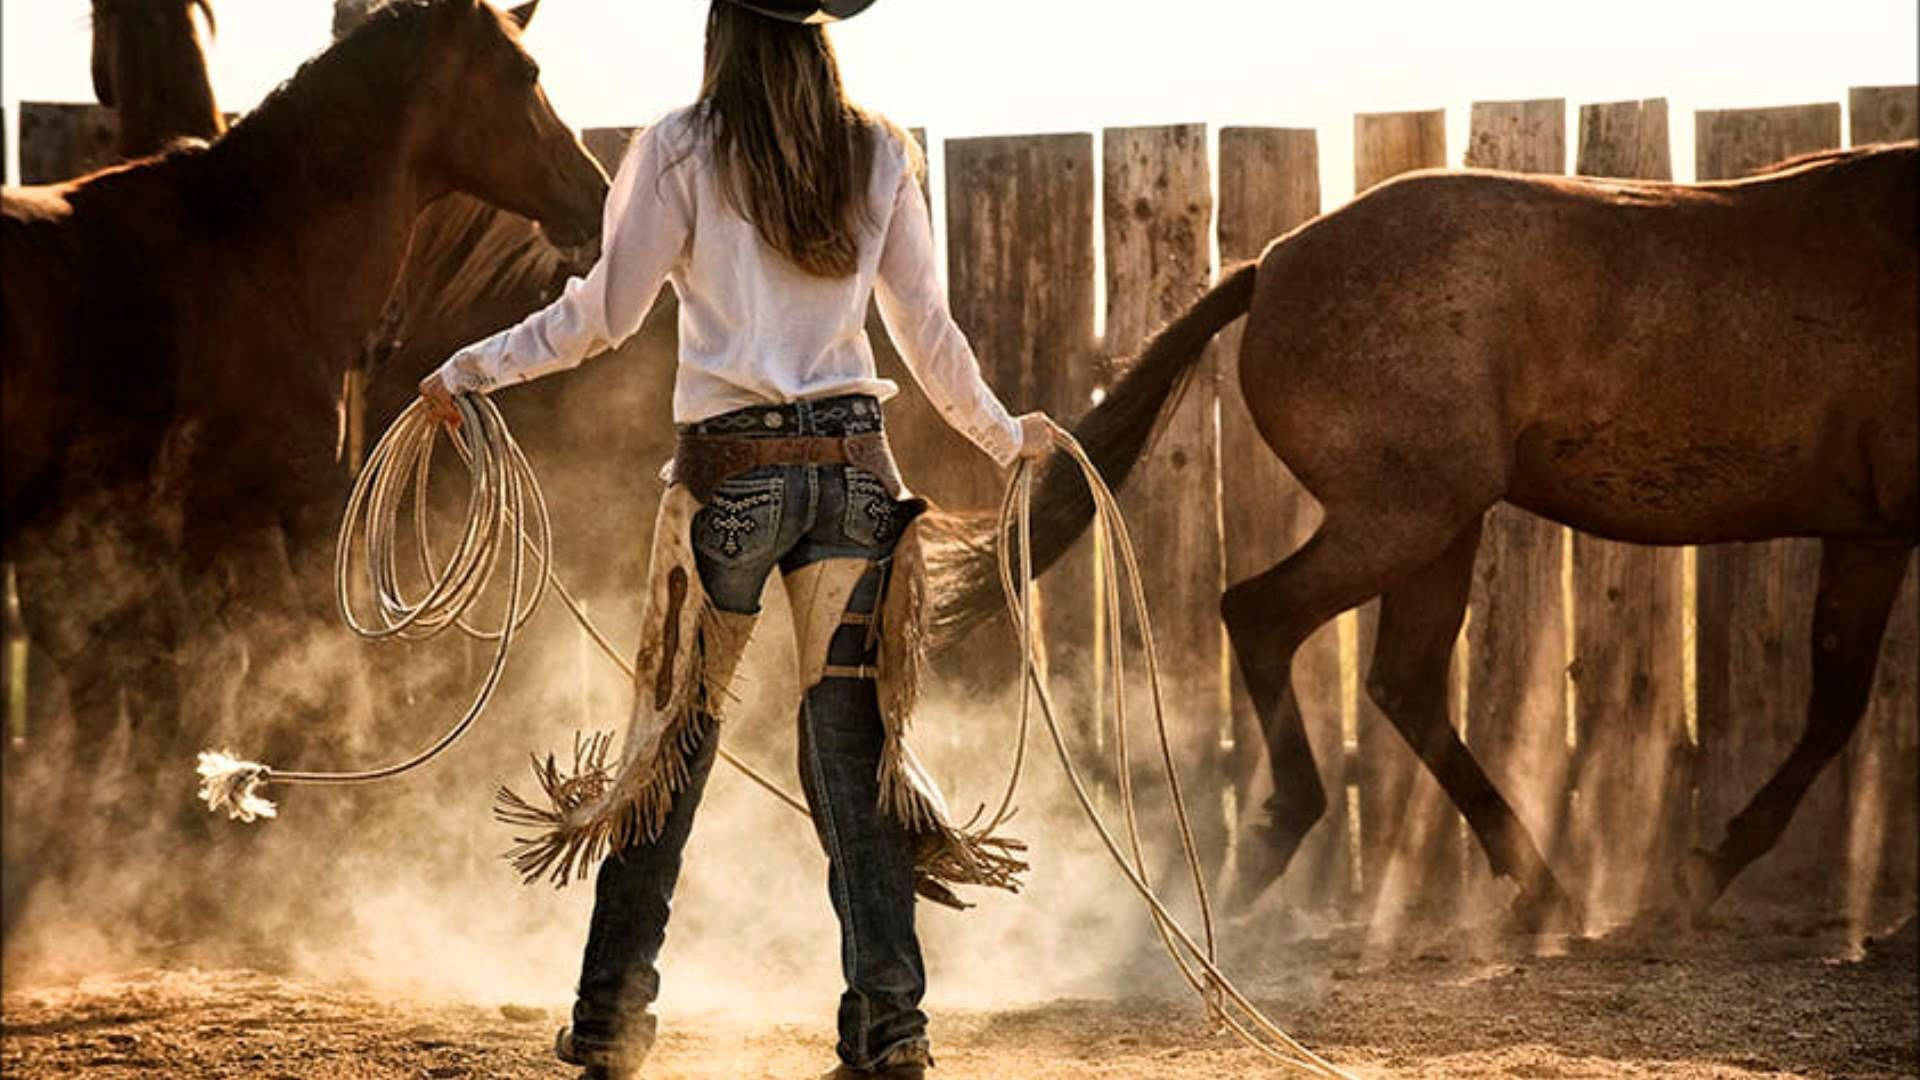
x: 504, y: 497
x: 502, y: 492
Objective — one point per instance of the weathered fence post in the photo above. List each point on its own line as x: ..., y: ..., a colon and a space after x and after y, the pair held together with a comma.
x: 1020, y: 276
x: 1882, y: 114
x: 1626, y: 139
x: 1158, y: 209
x: 1410, y: 834
x: 1269, y: 184
x: 1883, y: 762
x: 1517, y: 649
x: 59, y: 141
x: 1756, y: 600
x: 1632, y: 771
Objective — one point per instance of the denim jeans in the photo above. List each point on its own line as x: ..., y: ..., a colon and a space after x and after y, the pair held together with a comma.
x: 786, y: 516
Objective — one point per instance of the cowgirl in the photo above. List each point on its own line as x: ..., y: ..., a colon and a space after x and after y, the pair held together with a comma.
x: 776, y: 207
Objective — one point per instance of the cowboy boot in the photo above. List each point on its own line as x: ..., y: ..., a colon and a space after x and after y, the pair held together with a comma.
x: 908, y: 1062
x: 598, y: 1062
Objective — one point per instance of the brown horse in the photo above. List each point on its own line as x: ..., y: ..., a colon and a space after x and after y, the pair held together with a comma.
x: 472, y: 269
x: 174, y: 332
x: 1652, y: 363
x: 148, y: 65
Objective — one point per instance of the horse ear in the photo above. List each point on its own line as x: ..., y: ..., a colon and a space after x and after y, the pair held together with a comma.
x: 523, y: 14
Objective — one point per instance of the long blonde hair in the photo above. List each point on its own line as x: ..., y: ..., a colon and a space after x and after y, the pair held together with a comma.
x: 792, y: 154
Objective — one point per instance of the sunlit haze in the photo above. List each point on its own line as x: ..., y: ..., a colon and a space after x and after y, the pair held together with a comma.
x: 1011, y: 66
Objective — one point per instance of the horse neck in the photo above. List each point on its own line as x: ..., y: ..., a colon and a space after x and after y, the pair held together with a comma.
x: 164, y: 91
x: 316, y: 225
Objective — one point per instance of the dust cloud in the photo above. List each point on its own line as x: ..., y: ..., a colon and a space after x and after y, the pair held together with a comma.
x: 399, y: 886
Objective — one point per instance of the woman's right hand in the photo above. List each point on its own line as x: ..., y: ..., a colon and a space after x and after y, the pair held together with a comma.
x: 1036, y: 435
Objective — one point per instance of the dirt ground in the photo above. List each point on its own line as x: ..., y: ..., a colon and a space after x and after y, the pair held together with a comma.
x: 1726, y: 1002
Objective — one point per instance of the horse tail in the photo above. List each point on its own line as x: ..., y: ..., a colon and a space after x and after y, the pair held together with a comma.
x: 1114, y: 434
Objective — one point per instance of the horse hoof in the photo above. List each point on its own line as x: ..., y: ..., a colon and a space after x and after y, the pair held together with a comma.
x: 1249, y: 884
x: 1259, y: 862
x: 1697, y: 879
x: 1548, y: 909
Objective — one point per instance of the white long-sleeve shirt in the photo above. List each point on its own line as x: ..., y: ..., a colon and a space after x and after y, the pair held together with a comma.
x: 754, y: 328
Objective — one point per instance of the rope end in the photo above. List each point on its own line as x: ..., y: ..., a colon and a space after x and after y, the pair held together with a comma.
x: 230, y: 784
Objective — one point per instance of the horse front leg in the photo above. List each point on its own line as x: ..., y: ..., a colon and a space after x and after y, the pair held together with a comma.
x: 1858, y: 585
x: 1407, y: 678
x: 1357, y: 549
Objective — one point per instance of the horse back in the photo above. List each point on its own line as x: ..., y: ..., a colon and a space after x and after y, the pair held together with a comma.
x: 1656, y: 362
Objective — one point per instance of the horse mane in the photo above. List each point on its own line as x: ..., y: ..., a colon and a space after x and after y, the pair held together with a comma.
x: 466, y: 253
x: 337, y: 100
x: 205, y: 6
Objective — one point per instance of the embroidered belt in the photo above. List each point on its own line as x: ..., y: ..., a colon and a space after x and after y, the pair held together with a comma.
x: 704, y: 462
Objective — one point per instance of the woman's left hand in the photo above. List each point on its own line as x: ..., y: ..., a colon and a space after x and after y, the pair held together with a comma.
x: 439, y: 399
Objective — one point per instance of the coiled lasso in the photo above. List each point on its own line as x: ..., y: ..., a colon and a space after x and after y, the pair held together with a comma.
x: 507, y: 517
x: 504, y: 502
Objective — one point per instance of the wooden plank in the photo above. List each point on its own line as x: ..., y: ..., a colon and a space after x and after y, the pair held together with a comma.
x: 1388, y: 144
x: 1882, y: 114
x: 1518, y: 136
x: 1020, y: 276
x: 1517, y: 650
x: 1753, y: 656
x: 1269, y: 184
x: 1632, y: 811
x: 1731, y: 143
x: 1158, y: 210
x: 59, y: 141
x: 1883, y: 761
x: 1626, y: 139
x: 1020, y: 279
x: 1411, y: 851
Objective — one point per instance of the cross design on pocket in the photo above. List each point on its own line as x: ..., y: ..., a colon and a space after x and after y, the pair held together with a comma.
x: 731, y: 519
x: 880, y: 509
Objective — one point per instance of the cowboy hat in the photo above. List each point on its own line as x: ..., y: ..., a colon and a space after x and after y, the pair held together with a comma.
x: 806, y: 11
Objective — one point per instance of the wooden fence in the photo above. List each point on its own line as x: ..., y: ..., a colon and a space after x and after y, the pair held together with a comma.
x: 1626, y: 699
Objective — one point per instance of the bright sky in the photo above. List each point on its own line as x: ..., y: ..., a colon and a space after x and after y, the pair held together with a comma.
x: 1010, y: 66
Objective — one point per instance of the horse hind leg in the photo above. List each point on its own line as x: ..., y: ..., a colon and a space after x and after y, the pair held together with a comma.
x: 1353, y: 556
x: 1858, y: 585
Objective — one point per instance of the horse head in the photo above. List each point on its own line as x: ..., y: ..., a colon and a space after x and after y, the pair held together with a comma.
x: 497, y: 137
x: 148, y: 64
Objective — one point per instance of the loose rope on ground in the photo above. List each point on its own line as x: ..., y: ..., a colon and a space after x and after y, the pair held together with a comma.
x: 504, y: 498
x: 1197, y: 964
